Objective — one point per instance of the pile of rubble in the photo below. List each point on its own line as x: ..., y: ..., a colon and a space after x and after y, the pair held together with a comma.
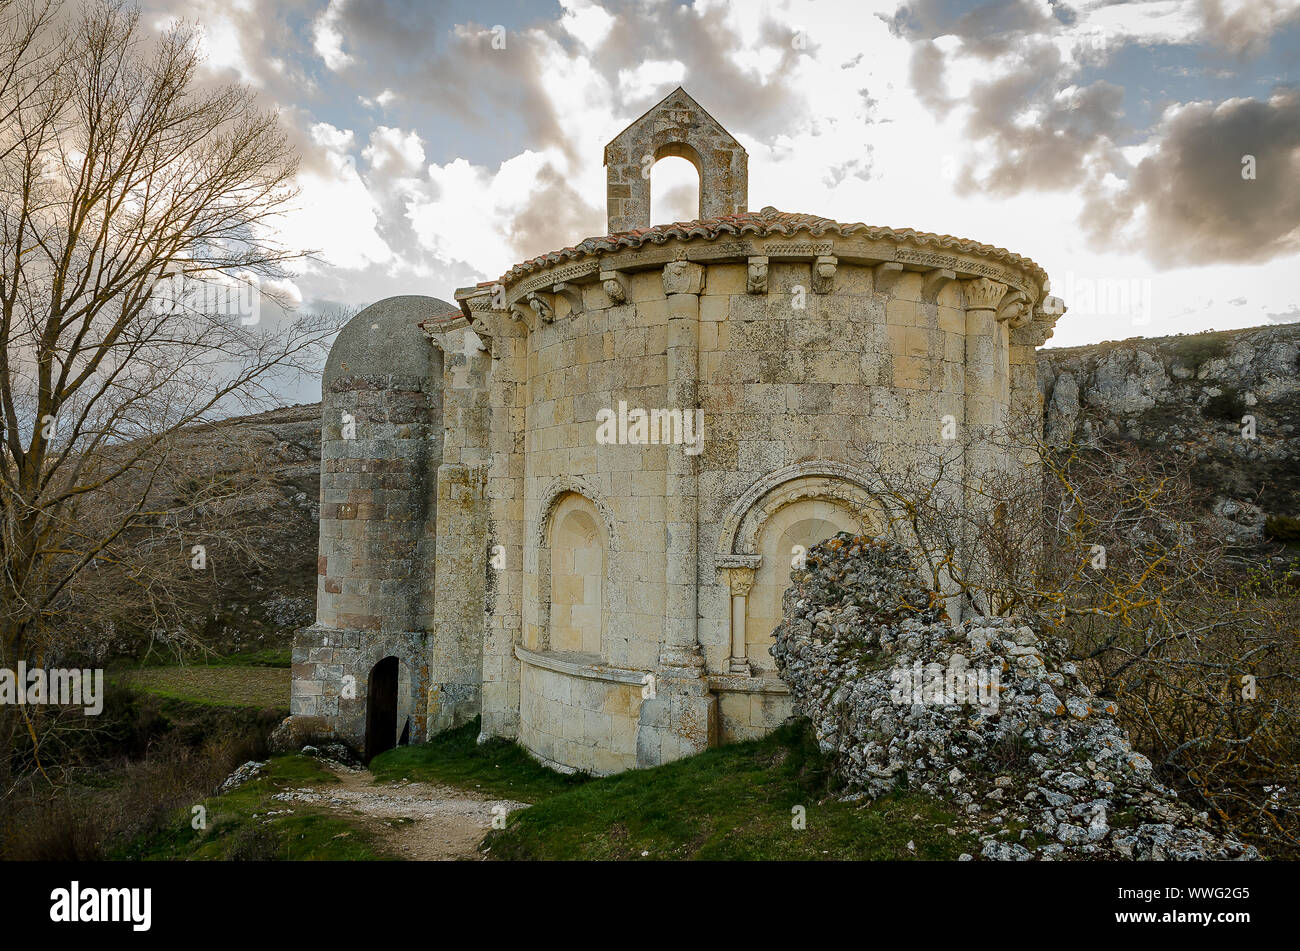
x: 980, y: 714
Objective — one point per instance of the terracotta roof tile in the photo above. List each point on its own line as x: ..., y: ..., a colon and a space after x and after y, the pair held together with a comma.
x: 769, y: 221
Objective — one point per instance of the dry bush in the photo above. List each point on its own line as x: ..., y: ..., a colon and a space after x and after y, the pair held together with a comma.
x: 98, y: 798
x: 1108, y: 548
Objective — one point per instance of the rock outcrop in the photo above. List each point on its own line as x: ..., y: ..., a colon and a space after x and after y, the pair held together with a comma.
x: 981, y: 714
x: 1188, y: 395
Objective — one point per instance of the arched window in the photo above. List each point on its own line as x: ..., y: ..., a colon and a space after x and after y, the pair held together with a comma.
x: 577, y: 563
x: 674, y: 190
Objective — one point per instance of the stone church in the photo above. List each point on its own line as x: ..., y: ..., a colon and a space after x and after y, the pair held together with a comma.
x: 568, y: 502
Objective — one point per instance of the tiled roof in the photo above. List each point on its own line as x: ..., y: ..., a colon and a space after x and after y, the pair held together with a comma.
x: 769, y: 221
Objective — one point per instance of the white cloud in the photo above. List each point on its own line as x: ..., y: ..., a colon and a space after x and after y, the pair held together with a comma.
x: 336, y: 215
x: 586, y: 22
x: 394, y: 151
x: 327, y: 38
x: 381, y: 101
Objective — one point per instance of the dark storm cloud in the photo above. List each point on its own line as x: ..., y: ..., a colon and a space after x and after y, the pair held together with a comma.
x: 1199, y: 208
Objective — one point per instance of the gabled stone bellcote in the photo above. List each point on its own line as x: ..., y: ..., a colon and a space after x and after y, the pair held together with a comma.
x: 677, y: 126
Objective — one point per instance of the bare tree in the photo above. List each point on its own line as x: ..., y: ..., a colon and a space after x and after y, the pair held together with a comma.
x: 1106, y: 547
x: 137, y: 205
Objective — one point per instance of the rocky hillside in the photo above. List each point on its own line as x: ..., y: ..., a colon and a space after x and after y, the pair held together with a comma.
x: 1187, y: 395
x: 254, y: 479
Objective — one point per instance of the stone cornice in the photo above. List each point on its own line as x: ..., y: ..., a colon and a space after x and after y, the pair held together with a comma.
x: 768, y: 232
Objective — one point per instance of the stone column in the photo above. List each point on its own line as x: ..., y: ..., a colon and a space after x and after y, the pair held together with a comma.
x: 681, y: 717
x: 981, y: 394
x: 504, y: 621
x: 982, y: 299
x: 680, y: 649
x: 741, y: 582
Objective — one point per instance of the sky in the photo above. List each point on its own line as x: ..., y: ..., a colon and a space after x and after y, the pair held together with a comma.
x: 1145, y: 153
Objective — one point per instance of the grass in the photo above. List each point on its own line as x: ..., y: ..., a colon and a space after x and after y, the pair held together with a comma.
x: 736, y: 802
x: 223, y: 686
x: 496, y: 768
x: 239, y: 829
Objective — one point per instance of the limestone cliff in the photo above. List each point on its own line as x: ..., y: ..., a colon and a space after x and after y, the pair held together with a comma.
x: 1187, y: 395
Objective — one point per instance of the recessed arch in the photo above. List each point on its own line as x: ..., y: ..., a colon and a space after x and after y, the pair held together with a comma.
x: 571, y: 544
x: 817, y: 479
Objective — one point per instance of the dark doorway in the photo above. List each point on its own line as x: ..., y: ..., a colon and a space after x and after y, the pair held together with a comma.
x: 381, y: 708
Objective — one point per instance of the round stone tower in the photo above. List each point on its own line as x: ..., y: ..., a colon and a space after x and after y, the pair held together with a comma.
x: 363, y: 666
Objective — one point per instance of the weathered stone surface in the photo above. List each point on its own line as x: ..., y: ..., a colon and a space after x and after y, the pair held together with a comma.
x: 527, y: 502
x: 856, y: 616
x: 1189, y: 396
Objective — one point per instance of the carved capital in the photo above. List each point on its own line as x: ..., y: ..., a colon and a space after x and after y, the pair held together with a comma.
x: 683, y: 277
x: 983, y: 294
x: 740, y: 580
x: 756, y: 280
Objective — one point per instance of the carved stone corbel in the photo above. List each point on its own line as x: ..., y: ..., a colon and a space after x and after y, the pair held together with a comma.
x: 571, y: 293
x: 543, y: 307
x: 683, y: 277
x: 522, y: 313
x: 823, y: 273
x: 756, y: 278
x: 1014, y: 310
x: 934, y: 282
x: 885, y: 275
x: 616, y: 286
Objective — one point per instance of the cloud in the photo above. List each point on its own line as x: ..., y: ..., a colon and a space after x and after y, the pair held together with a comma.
x: 926, y: 74
x: 1244, y: 27
x: 1190, y: 200
x: 989, y: 29
x: 328, y: 38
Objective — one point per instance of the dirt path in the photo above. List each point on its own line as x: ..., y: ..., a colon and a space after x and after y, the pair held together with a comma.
x: 415, y: 821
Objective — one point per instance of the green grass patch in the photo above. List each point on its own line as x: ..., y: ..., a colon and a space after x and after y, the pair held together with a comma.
x: 1198, y: 349
x: 735, y: 802
x: 226, y: 686
x: 497, y: 768
x: 242, y: 825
